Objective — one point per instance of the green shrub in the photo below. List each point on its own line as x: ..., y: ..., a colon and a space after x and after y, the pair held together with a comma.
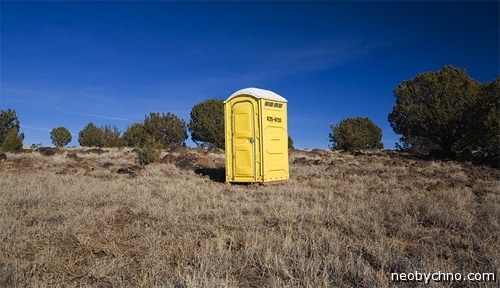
x: 13, y: 141
x: 112, y: 136
x: 91, y: 136
x: 135, y: 135
x: 207, y: 123
x: 8, y: 121
x: 106, y: 136
x: 355, y: 134
x: 149, y: 153
x: 489, y: 133
x: 290, y: 143
x: 166, y: 129
x: 446, y: 112
x: 60, y: 136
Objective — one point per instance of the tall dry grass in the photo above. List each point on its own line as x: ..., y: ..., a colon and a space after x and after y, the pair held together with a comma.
x: 77, y: 219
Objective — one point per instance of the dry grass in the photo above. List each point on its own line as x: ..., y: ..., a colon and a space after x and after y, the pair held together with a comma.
x: 95, y: 218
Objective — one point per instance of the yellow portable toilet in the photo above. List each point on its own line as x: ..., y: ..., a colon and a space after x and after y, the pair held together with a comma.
x: 256, y: 136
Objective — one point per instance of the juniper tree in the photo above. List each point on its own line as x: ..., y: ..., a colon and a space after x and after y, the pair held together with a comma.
x: 355, y: 134
x: 60, y: 136
x: 445, y: 111
x: 207, y: 123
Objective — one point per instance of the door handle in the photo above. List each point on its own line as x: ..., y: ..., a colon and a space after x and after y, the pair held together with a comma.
x: 252, y: 140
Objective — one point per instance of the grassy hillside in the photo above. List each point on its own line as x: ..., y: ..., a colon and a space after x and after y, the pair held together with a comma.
x: 92, y: 217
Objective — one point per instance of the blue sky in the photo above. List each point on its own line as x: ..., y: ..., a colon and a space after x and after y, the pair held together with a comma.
x: 68, y: 63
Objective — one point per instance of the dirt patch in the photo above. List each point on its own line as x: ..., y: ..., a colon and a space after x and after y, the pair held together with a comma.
x: 131, y: 170
x: 97, y: 151
x: 73, y: 156
x: 307, y: 162
x: 69, y: 169
x: 192, y: 160
x: 47, y: 151
x: 107, y: 165
x: 189, y: 162
x: 215, y: 174
x: 124, y: 217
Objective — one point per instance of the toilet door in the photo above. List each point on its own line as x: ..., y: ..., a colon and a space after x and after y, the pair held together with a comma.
x: 243, y: 139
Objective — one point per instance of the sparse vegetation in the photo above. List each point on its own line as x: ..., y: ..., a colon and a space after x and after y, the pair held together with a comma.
x: 123, y: 217
x: 92, y: 217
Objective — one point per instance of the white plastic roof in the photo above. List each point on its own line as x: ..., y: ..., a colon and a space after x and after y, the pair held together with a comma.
x: 257, y: 93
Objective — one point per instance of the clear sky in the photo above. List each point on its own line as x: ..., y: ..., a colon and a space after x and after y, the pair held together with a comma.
x: 68, y: 63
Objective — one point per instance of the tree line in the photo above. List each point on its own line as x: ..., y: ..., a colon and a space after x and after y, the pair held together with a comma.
x: 443, y: 113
